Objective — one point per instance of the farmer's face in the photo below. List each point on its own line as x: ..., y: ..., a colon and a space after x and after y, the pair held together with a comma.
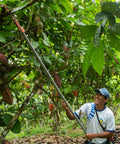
x: 100, y: 99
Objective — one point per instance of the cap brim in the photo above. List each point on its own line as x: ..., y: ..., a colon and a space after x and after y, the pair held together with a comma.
x: 98, y: 90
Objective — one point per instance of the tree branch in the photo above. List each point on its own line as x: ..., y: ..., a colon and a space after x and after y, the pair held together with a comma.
x: 6, y: 13
x: 25, y: 6
x: 16, y: 75
x: 12, y: 122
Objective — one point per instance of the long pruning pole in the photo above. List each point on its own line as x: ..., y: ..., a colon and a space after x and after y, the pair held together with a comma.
x: 22, y: 31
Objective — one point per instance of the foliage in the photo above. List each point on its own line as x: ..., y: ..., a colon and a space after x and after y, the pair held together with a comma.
x: 84, y: 54
x: 69, y: 129
x: 6, y: 118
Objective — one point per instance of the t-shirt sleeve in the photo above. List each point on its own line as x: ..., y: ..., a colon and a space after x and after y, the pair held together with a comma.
x: 110, y: 123
x: 81, y: 112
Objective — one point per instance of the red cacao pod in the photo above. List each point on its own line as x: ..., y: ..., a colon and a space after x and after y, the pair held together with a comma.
x: 28, y: 87
x: 40, y: 92
x: 3, y: 59
x: 57, y: 94
x: 75, y: 93
x: 7, y: 96
x: 51, y: 106
x: 57, y: 80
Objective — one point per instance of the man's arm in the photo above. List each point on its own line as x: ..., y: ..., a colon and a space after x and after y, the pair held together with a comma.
x: 105, y: 134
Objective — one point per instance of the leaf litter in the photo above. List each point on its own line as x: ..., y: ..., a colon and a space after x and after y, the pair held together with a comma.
x: 47, y: 139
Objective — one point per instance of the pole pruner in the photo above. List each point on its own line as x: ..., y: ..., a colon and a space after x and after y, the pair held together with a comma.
x: 22, y: 31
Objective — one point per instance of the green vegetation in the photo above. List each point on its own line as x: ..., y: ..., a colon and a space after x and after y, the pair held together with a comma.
x: 117, y: 118
x: 66, y: 128
x: 79, y: 44
x: 70, y: 128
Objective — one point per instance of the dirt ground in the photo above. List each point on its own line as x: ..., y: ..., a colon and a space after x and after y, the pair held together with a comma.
x: 47, y: 139
x: 53, y: 139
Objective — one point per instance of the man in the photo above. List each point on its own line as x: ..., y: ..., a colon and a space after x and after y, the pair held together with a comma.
x: 95, y: 133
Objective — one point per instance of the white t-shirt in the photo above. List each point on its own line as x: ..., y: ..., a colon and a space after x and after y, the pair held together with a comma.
x: 106, y: 118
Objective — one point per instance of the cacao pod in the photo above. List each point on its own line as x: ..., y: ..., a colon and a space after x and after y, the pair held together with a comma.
x: 51, y: 106
x: 117, y: 95
x: 3, y: 59
x: 39, y: 22
x: 40, y: 92
x: 7, y: 96
x: 57, y: 80
x: 57, y: 94
x: 28, y: 87
x: 75, y: 93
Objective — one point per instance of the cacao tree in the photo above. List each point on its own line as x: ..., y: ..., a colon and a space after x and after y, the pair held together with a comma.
x: 78, y: 41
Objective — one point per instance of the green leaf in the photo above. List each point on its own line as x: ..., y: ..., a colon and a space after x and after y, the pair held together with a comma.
x: 68, y: 89
x: 75, y: 20
x: 111, y: 7
x: 111, y: 19
x: 36, y: 63
x: 46, y: 40
x: 66, y: 24
x: 78, y: 22
x: 115, y: 29
x: 7, y: 34
x: 35, y: 44
x: 67, y: 5
x: 87, y: 58
x: 97, y: 59
x: 99, y: 31
x: 18, y: 49
x: 103, y: 15
x: 19, y: 8
x: 47, y: 60
x: 96, y: 40
x: 60, y: 60
x: 16, y: 127
x: 2, y: 39
x: 99, y: 17
x: 88, y: 31
x: 114, y: 41
x: 56, y: 8
x: 31, y: 12
x: 7, y: 118
x: 2, y: 123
